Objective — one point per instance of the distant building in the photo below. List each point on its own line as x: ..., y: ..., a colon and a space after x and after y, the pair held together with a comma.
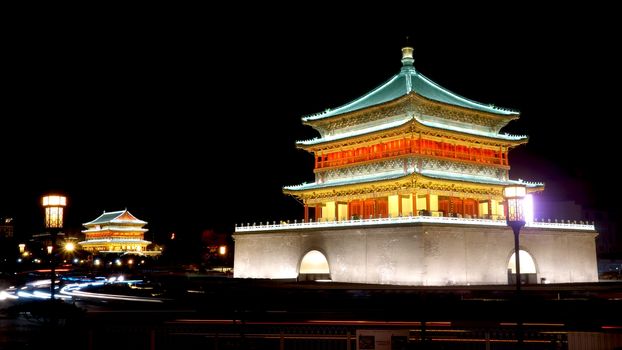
x: 113, y: 232
x: 216, y: 249
x: 408, y: 190
x: 6, y: 227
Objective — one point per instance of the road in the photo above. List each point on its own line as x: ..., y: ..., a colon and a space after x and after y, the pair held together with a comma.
x: 179, y: 311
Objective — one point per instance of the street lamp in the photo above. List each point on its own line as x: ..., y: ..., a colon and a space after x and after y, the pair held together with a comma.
x: 514, y: 196
x: 515, y: 217
x: 70, y: 247
x: 54, y: 206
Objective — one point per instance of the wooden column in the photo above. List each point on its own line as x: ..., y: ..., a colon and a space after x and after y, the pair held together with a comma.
x: 306, y: 212
x: 427, y: 202
x: 363, y: 209
x: 399, y: 205
x: 490, y: 208
x: 318, y: 213
x: 349, y: 216
x: 374, y: 211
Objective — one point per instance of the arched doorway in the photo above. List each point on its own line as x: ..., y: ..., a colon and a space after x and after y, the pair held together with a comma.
x: 314, y: 267
x: 528, y: 271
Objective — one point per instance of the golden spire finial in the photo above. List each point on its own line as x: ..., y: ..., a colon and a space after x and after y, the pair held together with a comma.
x: 407, y: 56
x: 407, y: 53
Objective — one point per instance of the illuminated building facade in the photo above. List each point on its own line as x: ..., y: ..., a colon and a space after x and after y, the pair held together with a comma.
x: 116, y: 231
x: 408, y: 190
x: 6, y: 227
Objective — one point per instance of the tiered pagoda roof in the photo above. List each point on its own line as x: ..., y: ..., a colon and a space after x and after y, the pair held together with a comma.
x: 410, y: 103
x: 408, y: 81
x: 116, y: 217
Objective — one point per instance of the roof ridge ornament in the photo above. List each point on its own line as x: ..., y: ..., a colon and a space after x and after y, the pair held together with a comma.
x: 407, y: 56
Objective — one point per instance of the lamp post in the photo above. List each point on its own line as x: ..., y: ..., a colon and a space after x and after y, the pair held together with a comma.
x: 515, y: 217
x: 54, y: 206
x: 514, y: 196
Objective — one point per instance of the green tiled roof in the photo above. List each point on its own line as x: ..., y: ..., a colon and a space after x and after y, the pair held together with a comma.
x: 110, y: 216
x: 398, y: 174
x: 348, y: 181
x: 408, y: 80
x: 107, y: 217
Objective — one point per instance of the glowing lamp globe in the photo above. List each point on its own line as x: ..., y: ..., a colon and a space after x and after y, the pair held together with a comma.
x: 514, y: 196
x: 54, y: 206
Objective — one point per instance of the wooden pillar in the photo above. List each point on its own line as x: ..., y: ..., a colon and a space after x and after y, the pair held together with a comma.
x: 318, y: 213
x: 316, y: 162
x: 489, y: 208
x: 399, y: 204
x: 427, y: 202
x: 451, y: 206
x: 463, y: 200
x: 375, y: 205
x: 349, y: 216
x: 363, y: 209
x: 306, y: 212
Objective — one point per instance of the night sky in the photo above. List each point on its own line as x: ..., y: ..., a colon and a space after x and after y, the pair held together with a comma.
x: 192, y: 125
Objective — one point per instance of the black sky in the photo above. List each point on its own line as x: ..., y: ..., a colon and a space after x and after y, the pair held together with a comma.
x: 191, y: 124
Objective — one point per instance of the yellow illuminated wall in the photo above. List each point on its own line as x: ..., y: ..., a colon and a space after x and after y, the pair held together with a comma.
x: 433, y: 202
x: 328, y: 212
x: 421, y: 204
x: 483, y: 208
x: 393, y: 206
x: 407, y: 206
x: 343, y: 211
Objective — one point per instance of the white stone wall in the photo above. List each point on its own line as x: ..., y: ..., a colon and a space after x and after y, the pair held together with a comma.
x: 418, y: 254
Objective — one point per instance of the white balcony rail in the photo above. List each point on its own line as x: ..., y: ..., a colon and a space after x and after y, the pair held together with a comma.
x: 403, y: 220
